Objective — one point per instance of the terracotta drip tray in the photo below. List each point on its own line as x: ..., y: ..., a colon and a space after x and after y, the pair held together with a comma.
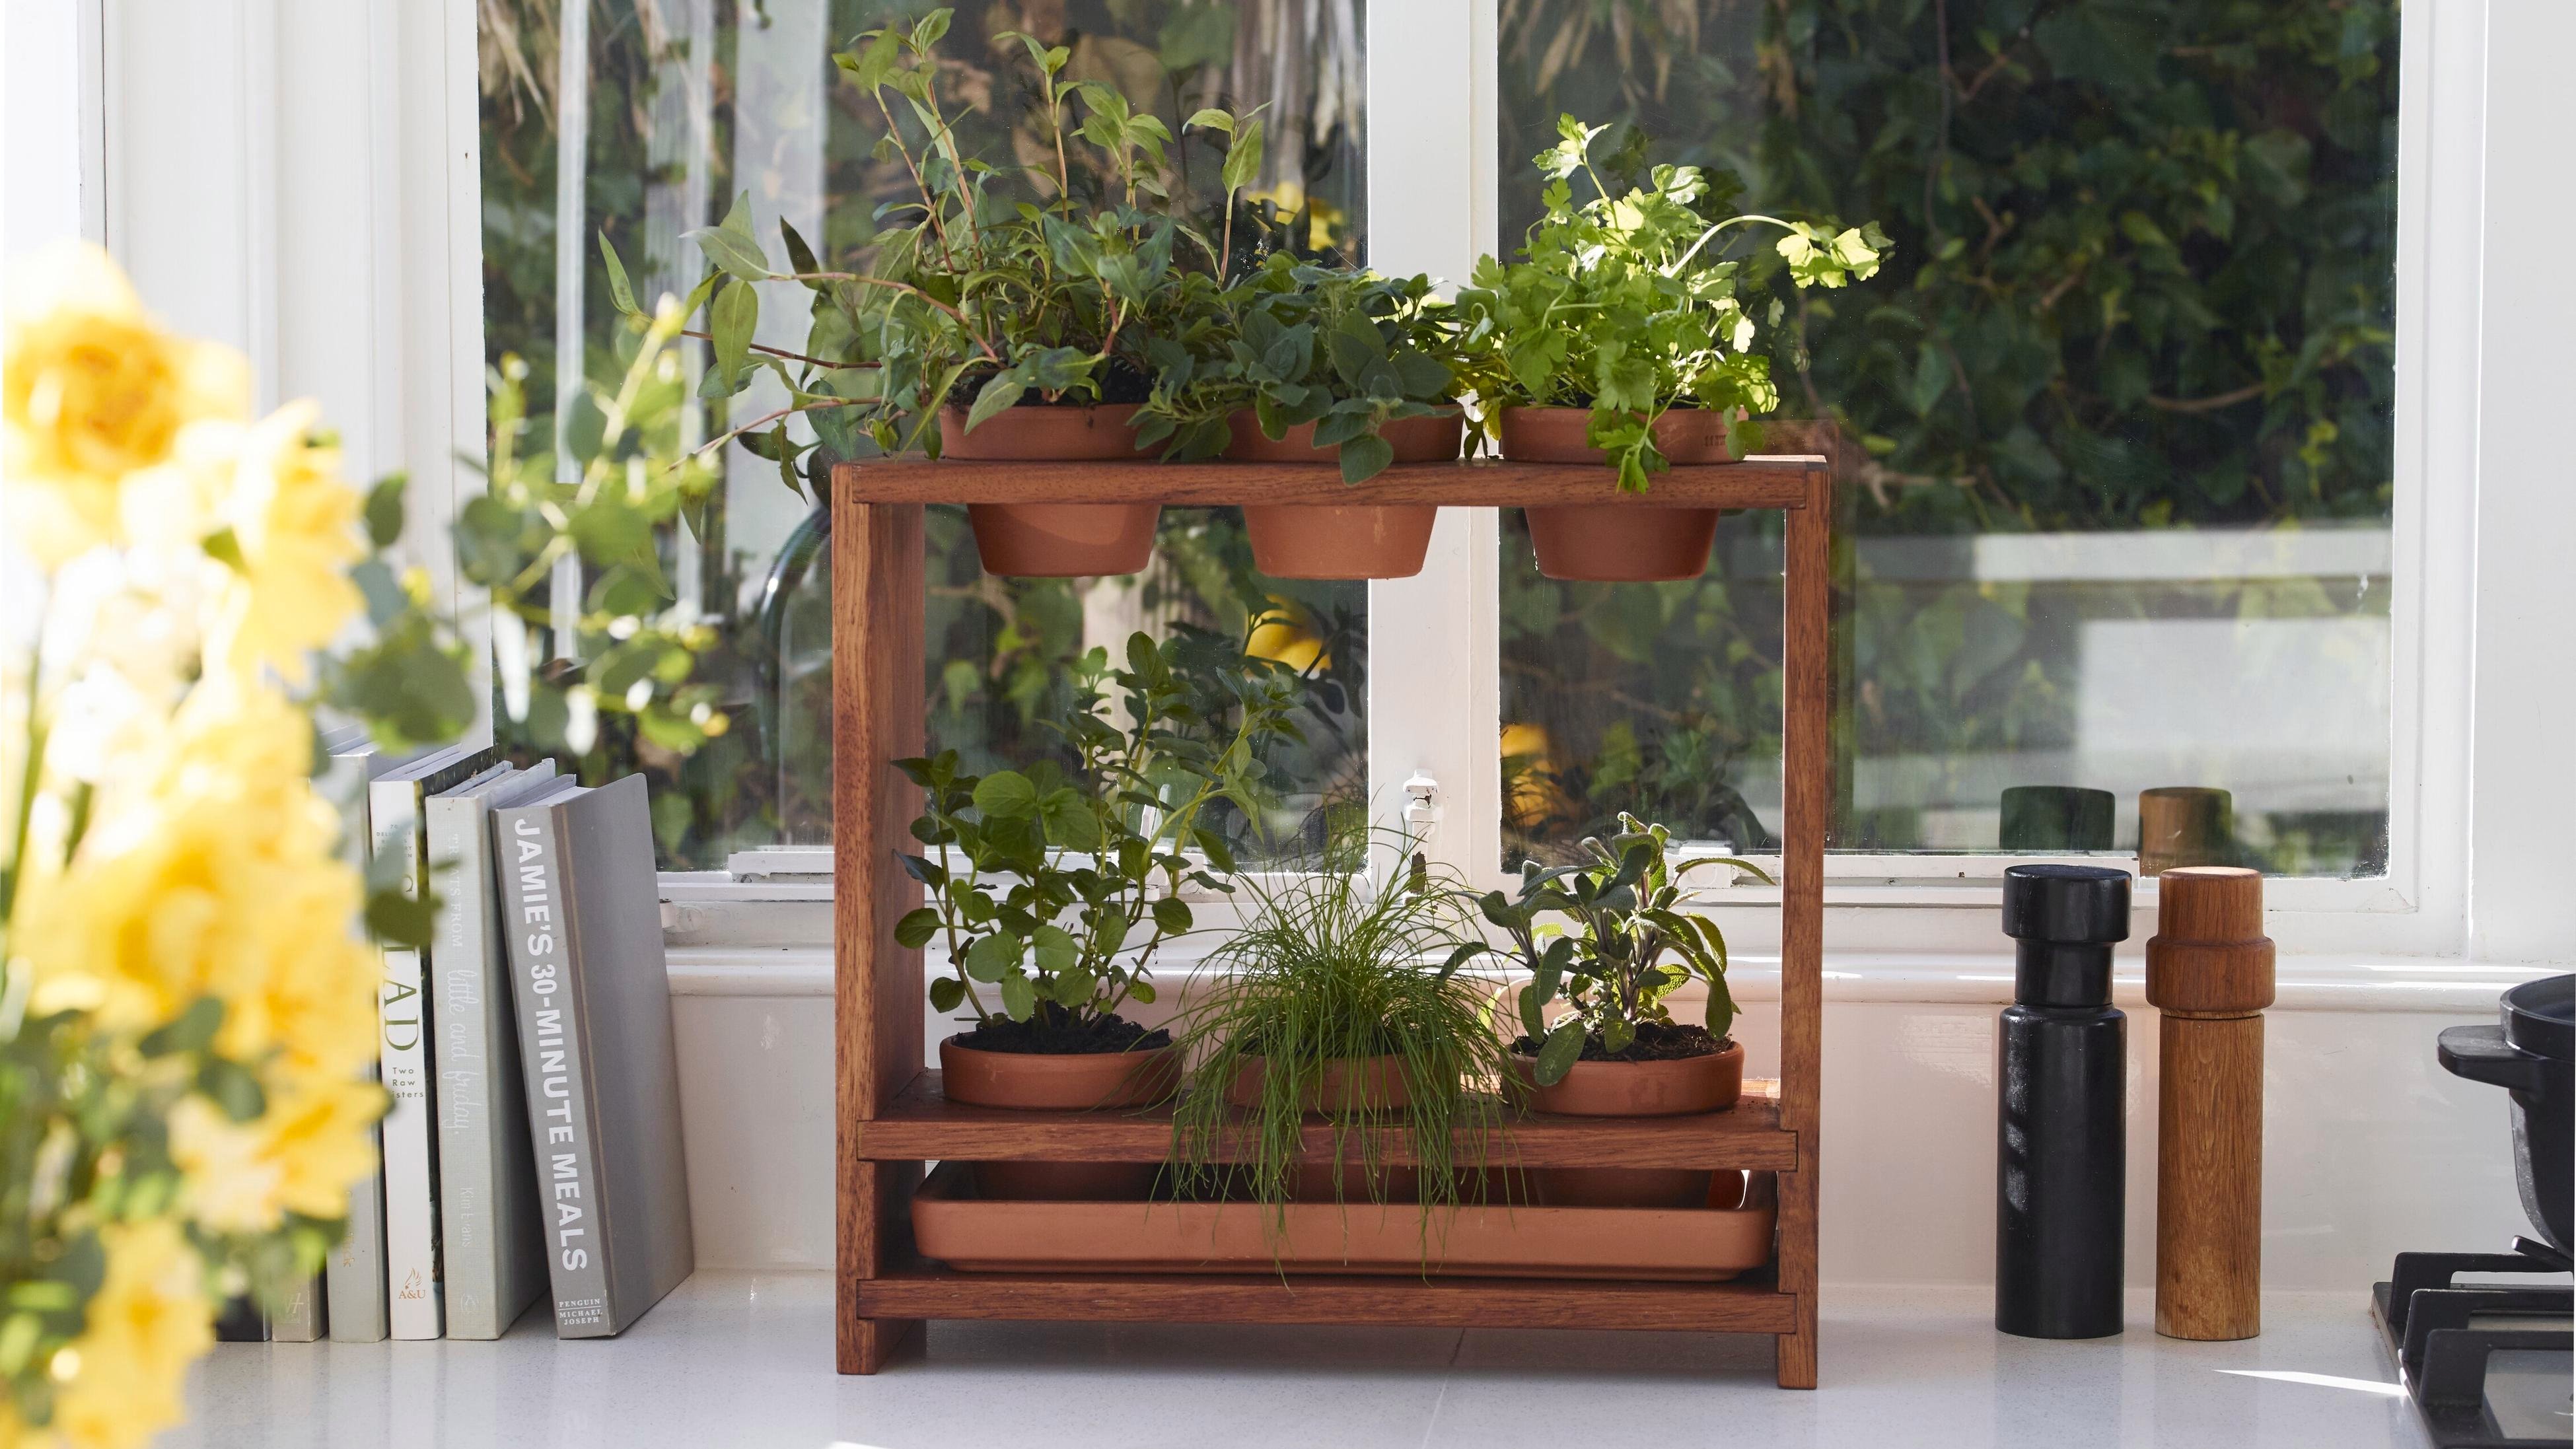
x: 1699, y: 1245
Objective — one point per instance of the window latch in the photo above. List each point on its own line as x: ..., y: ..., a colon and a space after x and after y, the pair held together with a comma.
x: 1421, y: 808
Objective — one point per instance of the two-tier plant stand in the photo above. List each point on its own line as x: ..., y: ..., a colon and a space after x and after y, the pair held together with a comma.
x: 891, y: 1113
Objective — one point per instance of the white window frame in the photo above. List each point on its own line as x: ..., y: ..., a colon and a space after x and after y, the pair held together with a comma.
x: 300, y: 178
x: 1433, y: 684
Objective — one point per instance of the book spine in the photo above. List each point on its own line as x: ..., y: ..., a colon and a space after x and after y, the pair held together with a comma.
x: 538, y: 922
x: 355, y: 1276
x: 469, y: 1229
x: 411, y: 1185
x: 299, y: 1319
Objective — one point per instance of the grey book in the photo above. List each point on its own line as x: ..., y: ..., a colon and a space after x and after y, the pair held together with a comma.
x: 490, y: 1243
x: 414, y: 1305
x: 353, y: 1277
x: 583, y: 916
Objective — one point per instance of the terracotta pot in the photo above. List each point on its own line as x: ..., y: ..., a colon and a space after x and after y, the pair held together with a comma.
x: 1629, y: 540
x: 1633, y: 1089
x: 1361, y: 1084
x: 1341, y: 540
x: 1071, y: 1082
x: 1054, y: 540
x: 1639, y: 1089
x: 1058, y: 1082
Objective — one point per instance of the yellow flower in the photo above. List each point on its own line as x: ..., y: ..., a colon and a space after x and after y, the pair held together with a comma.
x: 213, y: 872
x: 1282, y: 637
x: 94, y: 391
x: 298, y: 1156
x: 121, y: 1381
x: 273, y: 491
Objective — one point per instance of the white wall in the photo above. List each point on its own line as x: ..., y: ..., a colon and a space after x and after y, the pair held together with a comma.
x: 2369, y: 1147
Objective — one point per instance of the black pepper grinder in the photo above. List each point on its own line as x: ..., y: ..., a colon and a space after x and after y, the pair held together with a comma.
x: 2061, y: 1142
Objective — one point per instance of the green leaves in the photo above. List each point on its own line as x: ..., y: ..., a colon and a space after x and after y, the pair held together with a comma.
x: 1562, y: 1048
x: 1005, y: 794
x: 1623, y: 910
x: 620, y: 294
x: 730, y: 246
x: 1243, y: 155
x: 731, y: 321
x: 993, y: 957
x: 1050, y: 874
x: 1628, y: 302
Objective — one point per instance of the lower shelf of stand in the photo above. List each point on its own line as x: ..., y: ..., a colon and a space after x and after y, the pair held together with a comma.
x: 925, y: 1290
x: 923, y: 1125
x: 953, y: 1223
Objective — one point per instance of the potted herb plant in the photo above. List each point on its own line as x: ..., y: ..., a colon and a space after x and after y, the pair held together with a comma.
x: 1303, y: 363
x: 988, y: 327
x: 1338, y: 1000
x: 1626, y: 337
x: 1610, y: 938
x: 1052, y: 890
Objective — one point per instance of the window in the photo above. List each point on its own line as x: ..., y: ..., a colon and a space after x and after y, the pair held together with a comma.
x: 2118, y: 427
x: 643, y: 120
x: 2116, y: 422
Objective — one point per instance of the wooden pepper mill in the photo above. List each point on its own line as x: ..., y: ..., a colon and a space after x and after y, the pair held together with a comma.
x: 2209, y: 971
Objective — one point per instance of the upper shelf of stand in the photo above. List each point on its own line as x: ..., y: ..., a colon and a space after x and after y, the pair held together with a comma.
x: 1781, y: 482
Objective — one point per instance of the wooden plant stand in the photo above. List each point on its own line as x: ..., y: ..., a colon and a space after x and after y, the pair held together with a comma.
x: 892, y: 1116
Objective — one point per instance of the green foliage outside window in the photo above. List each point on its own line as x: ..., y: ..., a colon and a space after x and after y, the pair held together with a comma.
x: 2143, y: 278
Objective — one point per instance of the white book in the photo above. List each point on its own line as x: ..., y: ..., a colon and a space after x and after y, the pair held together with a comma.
x: 353, y: 1277
x: 491, y: 1238
x: 413, y: 1307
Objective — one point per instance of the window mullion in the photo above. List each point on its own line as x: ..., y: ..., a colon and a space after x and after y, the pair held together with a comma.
x: 1434, y: 657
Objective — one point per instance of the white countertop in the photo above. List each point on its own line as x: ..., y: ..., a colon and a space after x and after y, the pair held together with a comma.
x: 745, y: 1359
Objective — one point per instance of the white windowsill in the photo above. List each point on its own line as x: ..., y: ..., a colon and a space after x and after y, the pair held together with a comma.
x: 2319, y: 983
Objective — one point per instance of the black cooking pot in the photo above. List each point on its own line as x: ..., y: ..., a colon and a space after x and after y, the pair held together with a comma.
x: 2533, y: 1056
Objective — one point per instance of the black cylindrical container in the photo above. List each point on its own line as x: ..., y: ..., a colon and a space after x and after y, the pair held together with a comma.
x: 2061, y: 1134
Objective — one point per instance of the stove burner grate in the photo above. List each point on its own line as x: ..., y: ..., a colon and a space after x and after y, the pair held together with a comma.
x: 2487, y: 1365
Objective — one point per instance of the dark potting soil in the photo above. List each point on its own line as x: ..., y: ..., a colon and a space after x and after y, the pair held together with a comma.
x: 1120, y: 382
x: 1655, y: 1042
x: 1064, y: 1038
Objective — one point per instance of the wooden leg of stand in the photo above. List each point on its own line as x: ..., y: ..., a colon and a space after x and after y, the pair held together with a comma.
x: 867, y: 1343
x: 1796, y: 1350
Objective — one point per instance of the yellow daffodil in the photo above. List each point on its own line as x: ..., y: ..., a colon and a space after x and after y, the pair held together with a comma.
x: 215, y: 874
x: 298, y: 1156
x: 287, y: 524
x: 121, y: 1381
x: 94, y: 392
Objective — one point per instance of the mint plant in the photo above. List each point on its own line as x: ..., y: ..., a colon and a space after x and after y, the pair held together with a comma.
x: 1040, y: 881
x: 1628, y: 303
x: 1346, y: 350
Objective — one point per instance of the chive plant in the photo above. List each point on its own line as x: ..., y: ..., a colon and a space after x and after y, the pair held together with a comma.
x: 1340, y: 964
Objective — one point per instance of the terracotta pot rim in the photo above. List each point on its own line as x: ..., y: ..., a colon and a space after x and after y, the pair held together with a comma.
x: 1731, y: 1047
x: 1414, y: 440
x: 956, y: 1043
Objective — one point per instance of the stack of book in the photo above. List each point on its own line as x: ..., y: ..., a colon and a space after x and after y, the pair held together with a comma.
x: 533, y: 1141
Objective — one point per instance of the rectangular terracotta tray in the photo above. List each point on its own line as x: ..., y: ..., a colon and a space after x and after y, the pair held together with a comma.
x: 1696, y: 1245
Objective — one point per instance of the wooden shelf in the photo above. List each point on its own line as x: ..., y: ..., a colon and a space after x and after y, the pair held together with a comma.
x: 925, y: 1290
x: 892, y: 1118
x: 921, y: 1125
x: 1783, y: 483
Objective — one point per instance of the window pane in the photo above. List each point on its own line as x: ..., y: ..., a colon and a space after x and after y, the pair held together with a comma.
x: 677, y: 107
x: 2114, y: 422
